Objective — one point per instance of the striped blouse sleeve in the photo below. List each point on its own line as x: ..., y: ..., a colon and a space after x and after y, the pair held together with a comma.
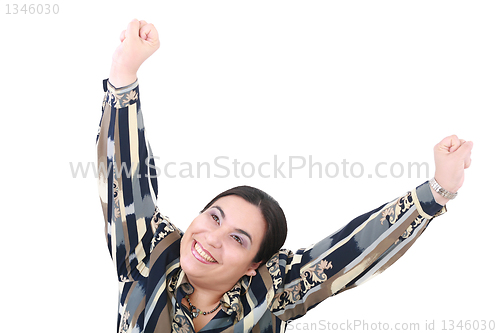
x: 127, y: 181
x: 345, y: 259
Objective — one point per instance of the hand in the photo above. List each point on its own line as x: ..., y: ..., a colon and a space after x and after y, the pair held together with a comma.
x: 138, y: 42
x: 452, y: 157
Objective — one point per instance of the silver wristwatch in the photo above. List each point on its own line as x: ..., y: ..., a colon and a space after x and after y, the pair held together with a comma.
x: 447, y: 194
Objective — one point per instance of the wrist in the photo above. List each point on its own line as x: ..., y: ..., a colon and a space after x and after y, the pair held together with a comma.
x: 120, y: 77
x: 441, y: 195
x: 439, y: 198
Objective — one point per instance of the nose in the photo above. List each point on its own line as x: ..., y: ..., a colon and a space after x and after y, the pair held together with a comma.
x: 214, y: 237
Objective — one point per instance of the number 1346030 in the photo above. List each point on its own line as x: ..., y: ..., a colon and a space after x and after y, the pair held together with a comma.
x: 32, y: 9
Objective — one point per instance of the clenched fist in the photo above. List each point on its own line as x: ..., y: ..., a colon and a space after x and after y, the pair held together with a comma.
x: 138, y: 42
x: 452, y: 156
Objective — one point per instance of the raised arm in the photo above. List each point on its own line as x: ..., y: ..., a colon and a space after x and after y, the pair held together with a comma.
x: 127, y: 182
x: 367, y: 245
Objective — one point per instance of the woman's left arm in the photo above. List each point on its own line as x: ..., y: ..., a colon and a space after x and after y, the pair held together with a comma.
x: 367, y: 245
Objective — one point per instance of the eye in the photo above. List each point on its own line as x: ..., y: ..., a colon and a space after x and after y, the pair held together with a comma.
x: 216, y: 218
x: 238, y: 239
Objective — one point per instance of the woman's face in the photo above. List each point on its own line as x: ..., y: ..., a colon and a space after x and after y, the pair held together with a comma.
x: 219, y: 246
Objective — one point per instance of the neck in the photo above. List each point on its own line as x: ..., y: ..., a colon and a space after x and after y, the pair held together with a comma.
x: 205, y: 299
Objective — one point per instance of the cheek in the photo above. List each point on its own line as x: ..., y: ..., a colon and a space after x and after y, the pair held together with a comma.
x: 236, y: 254
x: 188, y: 235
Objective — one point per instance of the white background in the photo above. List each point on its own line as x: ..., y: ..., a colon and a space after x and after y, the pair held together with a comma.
x: 364, y: 81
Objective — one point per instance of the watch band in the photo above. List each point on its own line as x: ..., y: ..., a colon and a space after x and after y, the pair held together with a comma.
x: 447, y: 194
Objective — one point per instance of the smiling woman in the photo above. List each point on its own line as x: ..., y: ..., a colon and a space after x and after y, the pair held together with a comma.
x: 276, y: 227
x: 225, y: 238
x: 219, y: 248
x: 227, y: 272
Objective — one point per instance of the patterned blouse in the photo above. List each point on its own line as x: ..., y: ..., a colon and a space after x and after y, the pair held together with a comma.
x: 144, y: 244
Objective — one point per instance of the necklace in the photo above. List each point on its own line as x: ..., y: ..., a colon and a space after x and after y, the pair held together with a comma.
x: 195, y: 311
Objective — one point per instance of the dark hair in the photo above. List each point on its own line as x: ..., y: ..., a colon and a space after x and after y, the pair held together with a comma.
x: 275, y: 235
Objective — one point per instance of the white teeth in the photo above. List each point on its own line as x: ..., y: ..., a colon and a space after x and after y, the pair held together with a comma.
x: 203, y: 254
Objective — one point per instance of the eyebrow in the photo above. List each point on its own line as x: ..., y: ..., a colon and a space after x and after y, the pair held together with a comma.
x: 238, y: 230
x: 221, y: 211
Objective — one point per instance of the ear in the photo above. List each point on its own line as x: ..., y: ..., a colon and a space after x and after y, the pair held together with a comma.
x: 252, y: 269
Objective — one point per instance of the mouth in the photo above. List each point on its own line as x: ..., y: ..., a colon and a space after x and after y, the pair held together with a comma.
x: 201, y: 254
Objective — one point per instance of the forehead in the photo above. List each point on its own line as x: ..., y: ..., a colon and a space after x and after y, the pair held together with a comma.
x: 240, y: 213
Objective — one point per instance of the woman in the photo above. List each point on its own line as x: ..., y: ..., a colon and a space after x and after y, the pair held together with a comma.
x: 226, y: 272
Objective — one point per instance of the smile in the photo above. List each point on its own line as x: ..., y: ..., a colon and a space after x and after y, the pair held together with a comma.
x: 201, y: 252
